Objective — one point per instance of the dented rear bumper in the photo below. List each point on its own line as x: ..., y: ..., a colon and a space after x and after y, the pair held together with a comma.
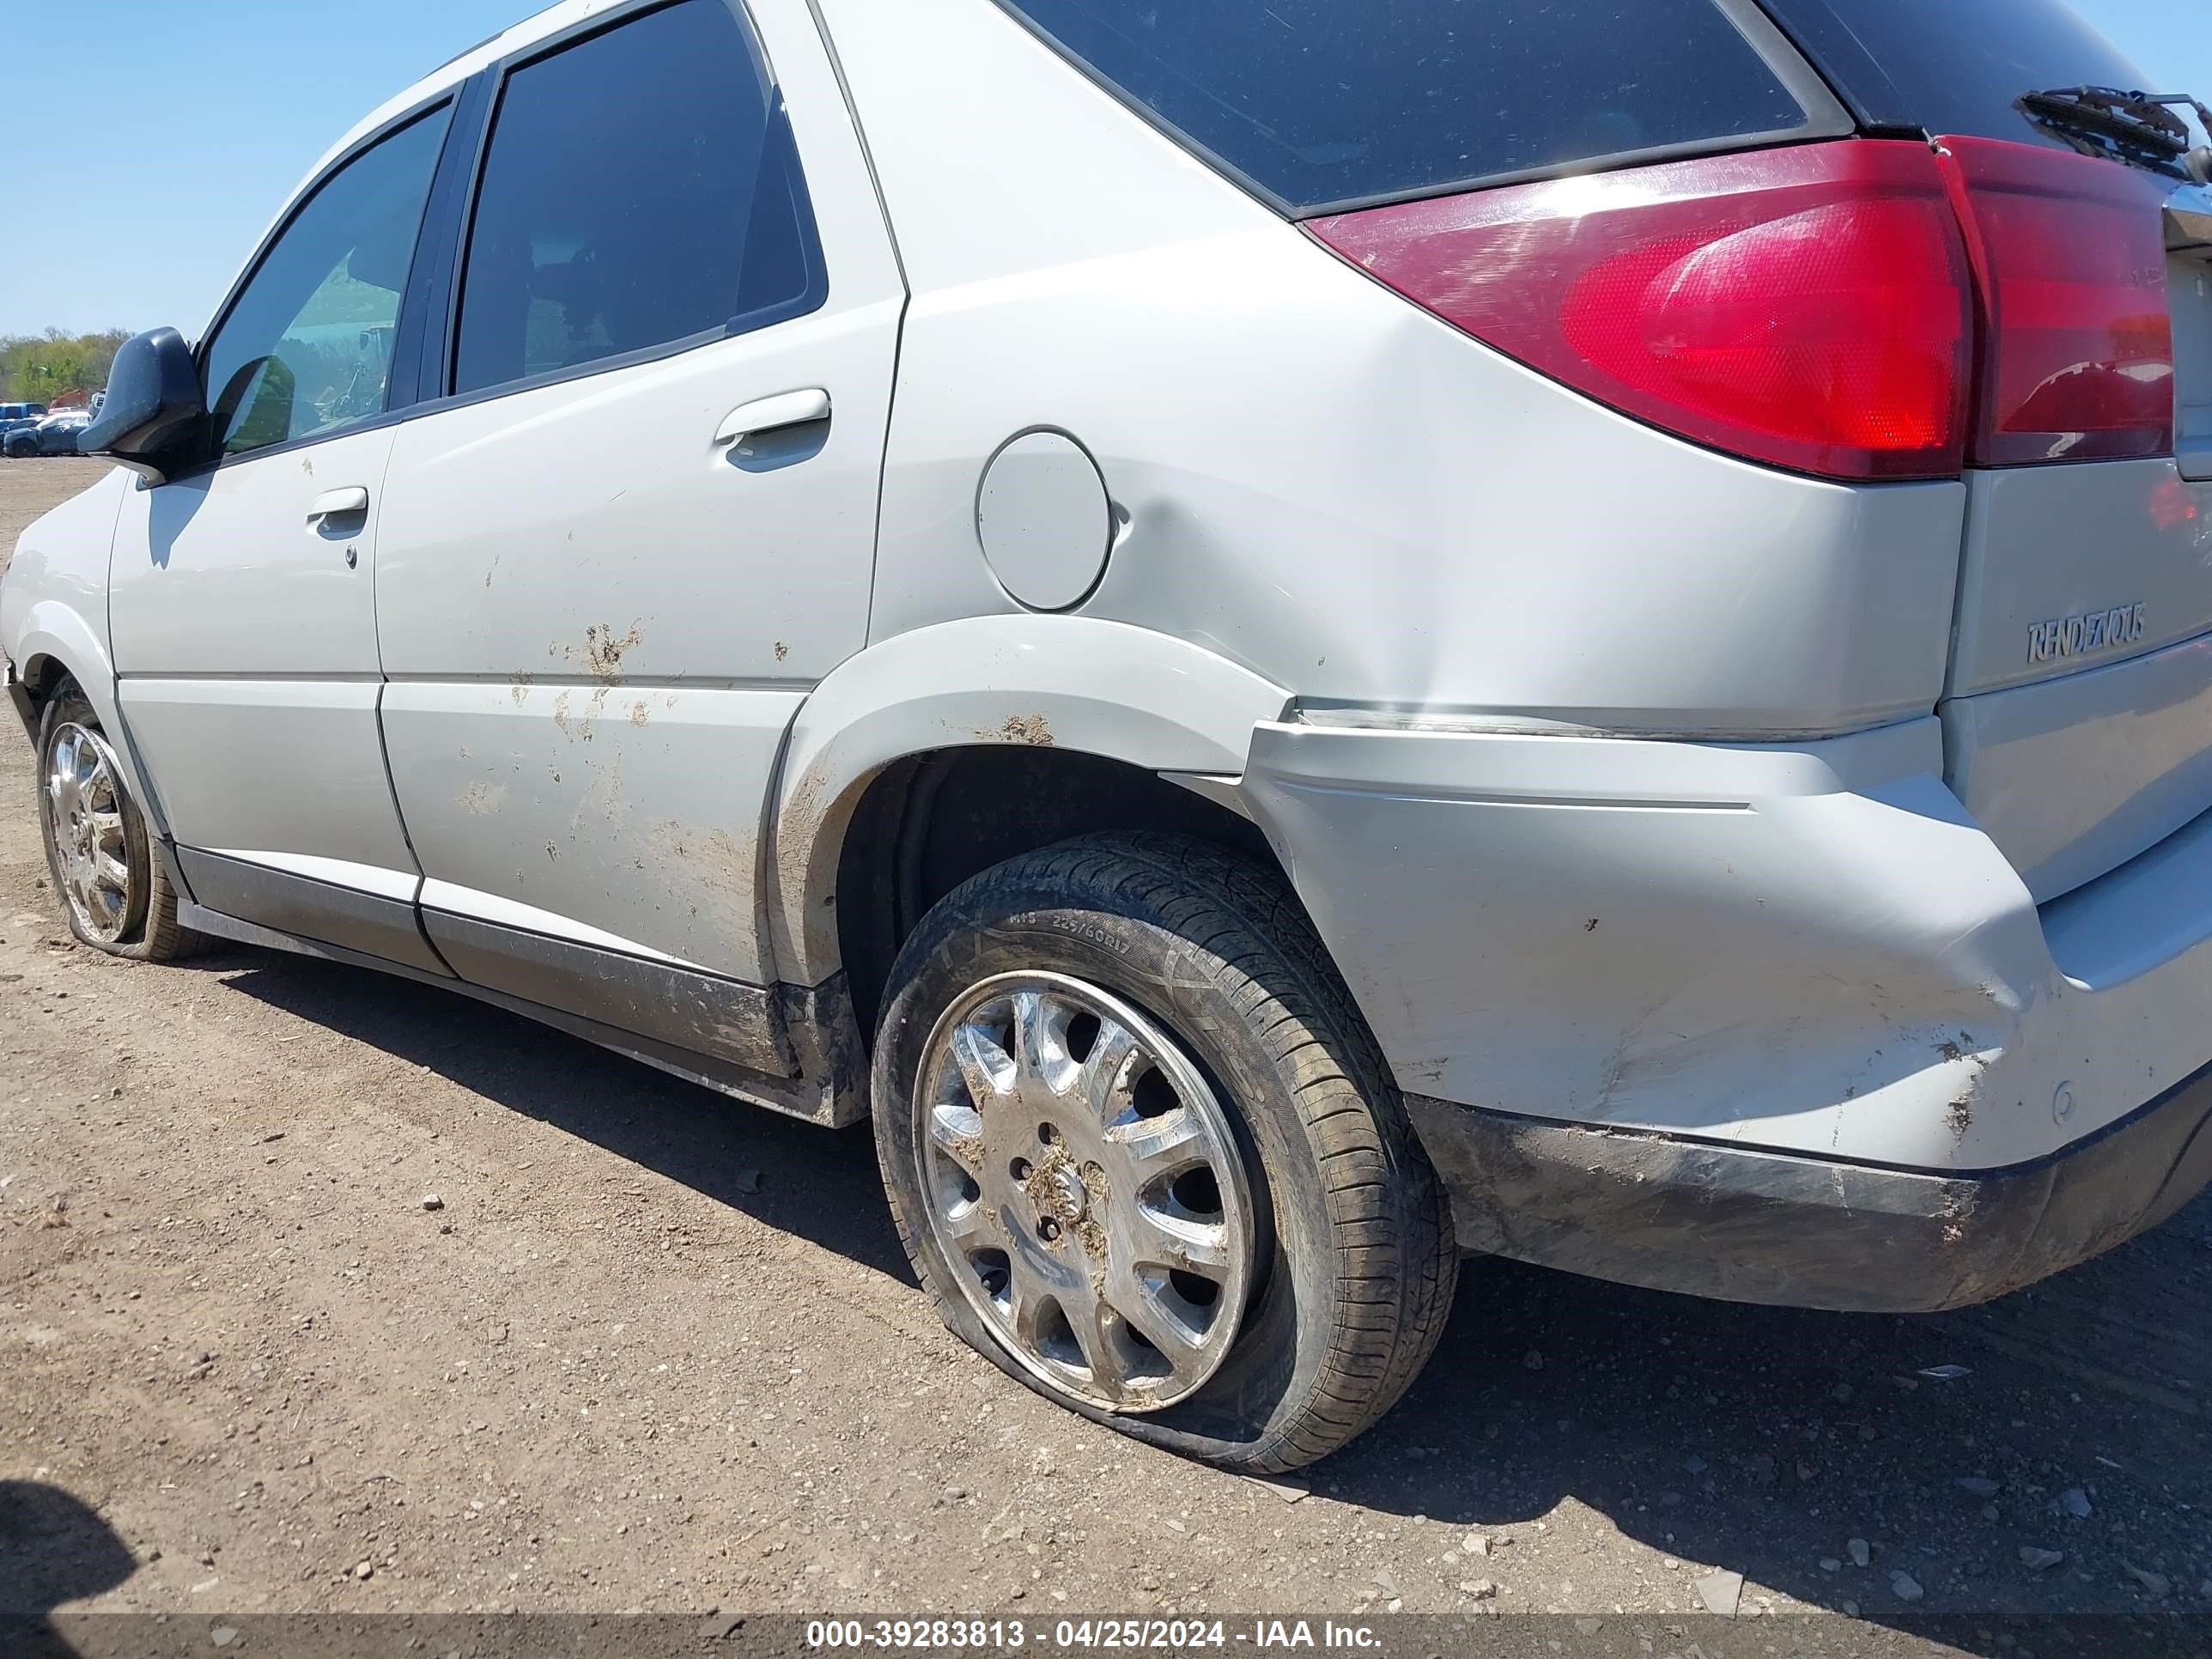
x: 1774, y: 1022
x: 1756, y: 1226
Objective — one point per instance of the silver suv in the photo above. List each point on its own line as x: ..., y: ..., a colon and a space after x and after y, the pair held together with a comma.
x: 1289, y: 639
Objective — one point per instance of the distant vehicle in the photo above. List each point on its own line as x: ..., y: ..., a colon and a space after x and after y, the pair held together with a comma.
x: 12, y: 413
x: 55, y: 435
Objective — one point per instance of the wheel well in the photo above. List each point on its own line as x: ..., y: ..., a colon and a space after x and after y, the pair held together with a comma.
x: 929, y: 822
x: 41, y: 676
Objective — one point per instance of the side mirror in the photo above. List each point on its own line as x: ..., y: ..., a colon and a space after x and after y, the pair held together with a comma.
x: 155, y: 413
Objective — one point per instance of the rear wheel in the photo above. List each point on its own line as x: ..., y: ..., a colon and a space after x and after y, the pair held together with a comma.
x: 1145, y: 1156
x: 113, y: 890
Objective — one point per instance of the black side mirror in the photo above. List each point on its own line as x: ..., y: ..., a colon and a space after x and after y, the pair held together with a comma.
x: 155, y: 418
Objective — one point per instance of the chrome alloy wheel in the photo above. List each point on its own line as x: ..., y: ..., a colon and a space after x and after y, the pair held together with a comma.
x: 1086, y: 1185
x: 84, y: 814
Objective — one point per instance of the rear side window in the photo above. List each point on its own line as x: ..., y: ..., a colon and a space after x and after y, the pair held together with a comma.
x: 641, y: 190
x: 1330, y: 103
x: 1956, y: 66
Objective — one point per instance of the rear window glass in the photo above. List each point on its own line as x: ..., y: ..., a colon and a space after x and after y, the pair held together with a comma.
x: 1957, y: 66
x: 1323, y: 103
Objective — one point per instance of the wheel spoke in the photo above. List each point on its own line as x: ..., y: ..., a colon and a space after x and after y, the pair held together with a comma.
x: 969, y: 1225
x: 1041, y: 1026
x: 111, y: 871
x: 1033, y: 1301
x: 1104, y: 1079
x: 1178, y: 1345
x: 61, y: 783
x: 957, y: 1131
x: 988, y: 1069
x: 1156, y: 1149
x: 1099, y: 1339
x: 1171, y: 1236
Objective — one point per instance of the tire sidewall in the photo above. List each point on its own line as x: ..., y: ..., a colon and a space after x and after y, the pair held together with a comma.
x: 1271, y: 1370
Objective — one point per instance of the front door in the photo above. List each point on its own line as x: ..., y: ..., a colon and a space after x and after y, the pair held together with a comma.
x: 243, y: 600
x: 643, y: 527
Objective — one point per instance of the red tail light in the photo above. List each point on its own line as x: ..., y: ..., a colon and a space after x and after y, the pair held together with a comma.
x: 1807, y: 306
x: 2069, y: 255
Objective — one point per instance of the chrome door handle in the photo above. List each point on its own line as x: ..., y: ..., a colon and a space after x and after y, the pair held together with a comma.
x: 338, y: 504
x: 773, y: 414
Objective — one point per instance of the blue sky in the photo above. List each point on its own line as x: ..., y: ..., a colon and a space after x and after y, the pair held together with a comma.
x: 137, y: 209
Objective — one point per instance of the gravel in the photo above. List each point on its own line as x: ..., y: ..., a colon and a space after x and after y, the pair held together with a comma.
x: 1720, y: 1592
x: 628, y: 1381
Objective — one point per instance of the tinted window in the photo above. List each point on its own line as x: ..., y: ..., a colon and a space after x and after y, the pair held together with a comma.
x: 642, y: 189
x: 307, y: 347
x: 1320, y: 102
x: 1960, y: 66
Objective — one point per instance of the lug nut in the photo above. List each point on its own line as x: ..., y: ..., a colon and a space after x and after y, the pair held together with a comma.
x: 1047, y: 1230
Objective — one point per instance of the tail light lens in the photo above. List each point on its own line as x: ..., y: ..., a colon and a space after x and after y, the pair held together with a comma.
x: 2069, y: 255
x: 1807, y: 306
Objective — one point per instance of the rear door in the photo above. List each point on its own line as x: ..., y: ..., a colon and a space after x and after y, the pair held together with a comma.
x: 2078, y: 712
x: 641, y: 525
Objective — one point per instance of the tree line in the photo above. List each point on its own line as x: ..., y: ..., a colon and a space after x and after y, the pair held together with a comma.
x: 42, y: 369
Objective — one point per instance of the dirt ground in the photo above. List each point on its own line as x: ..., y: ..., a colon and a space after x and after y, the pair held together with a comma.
x: 656, y: 1351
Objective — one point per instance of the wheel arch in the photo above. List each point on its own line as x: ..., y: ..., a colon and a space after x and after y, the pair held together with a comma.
x: 56, y: 644
x: 1066, y: 692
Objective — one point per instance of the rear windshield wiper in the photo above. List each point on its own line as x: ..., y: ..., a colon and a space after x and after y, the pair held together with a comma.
x: 2138, y: 128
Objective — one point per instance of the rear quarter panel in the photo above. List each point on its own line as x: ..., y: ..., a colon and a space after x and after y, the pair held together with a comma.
x: 1321, y: 483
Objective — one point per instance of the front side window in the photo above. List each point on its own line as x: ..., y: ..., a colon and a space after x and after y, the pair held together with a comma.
x: 640, y: 189
x: 307, y: 347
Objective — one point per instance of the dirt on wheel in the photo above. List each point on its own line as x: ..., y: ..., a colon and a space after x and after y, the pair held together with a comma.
x: 326, y: 1290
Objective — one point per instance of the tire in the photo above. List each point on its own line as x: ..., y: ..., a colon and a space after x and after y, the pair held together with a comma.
x: 1352, y: 1259
x: 141, y: 923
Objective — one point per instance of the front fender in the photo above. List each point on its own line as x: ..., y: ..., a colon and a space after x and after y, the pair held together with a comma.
x: 1075, y: 683
x: 53, y: 611
x: 54, y: 632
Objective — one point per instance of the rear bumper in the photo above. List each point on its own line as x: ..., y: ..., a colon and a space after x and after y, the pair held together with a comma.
x: 1753, y: 1227
x: 1774, y: 1022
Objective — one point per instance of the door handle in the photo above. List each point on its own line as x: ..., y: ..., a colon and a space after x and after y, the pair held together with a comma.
x: 338, y: 504
x: 773, y: 414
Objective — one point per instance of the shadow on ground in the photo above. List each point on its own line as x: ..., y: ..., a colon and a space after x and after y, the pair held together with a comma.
x: 53, y: 1550
x: 1759, y: 1440
x: 817, y: 1184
